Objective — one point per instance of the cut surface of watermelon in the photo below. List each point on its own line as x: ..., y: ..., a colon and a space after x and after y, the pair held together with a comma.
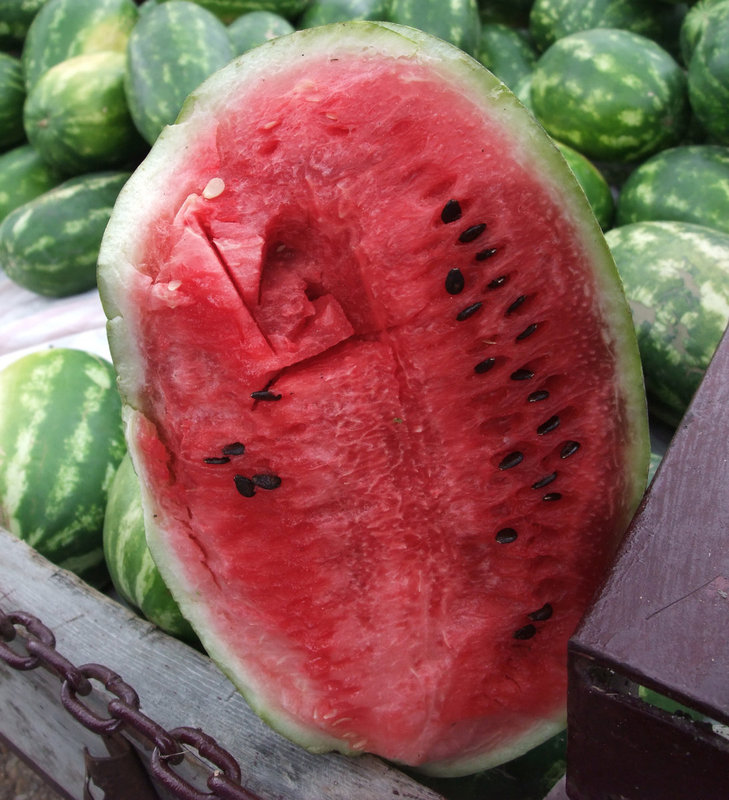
x: 382, y: 390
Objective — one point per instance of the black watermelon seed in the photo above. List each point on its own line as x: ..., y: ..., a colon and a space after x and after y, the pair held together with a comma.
x: 522, y: 374
x: 538, y: 396
x: 519, y: 300
x: 548, y: 426
x: 541, y: 614
x: 526, y: 632
x: 217, y: 460
x: 569, y: 449
x: 265, y: 394
x: 471, y: 233
x: 468, y: 311
x: 496, y: 283
x: 550, y: 497
x: 512, y: 460
x: 482, y: 255
x: 234, y: 449
x: 266, y: 481
x: 451, y: 211
x: 506, y: 536
x: 454, y: 281
x: 244, y: 485
x: 484, y: 366
x: 545, y: 481
x: 528, y: 331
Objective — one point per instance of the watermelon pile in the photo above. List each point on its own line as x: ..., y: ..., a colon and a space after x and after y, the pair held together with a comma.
x: 353, y: 411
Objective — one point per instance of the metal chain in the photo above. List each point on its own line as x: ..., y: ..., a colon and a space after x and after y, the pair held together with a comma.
x: 168, y: 747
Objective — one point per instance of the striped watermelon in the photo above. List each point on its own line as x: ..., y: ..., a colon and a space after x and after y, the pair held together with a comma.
x: 172, y: 49
x: 550, y: 20
x: 228, y: 10
x: 697, y: 18
x: 593, y: 184
x: 77, y: 117
x: 23, y: 176
x: 688, y: 183
x: 15, y: 20
x: 256, y: 27
x: 133, y: 573
x: 63, y: 29
x: 708, y: 75
x: 61, y: 440
x: 676, y: 277
x: 508, y: 52
x: 50, y: 244
x: 322, y: 12
x: 611, y: 94
x: 457, y: 21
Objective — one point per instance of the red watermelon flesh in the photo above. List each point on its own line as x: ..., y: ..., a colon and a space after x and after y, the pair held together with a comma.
x: 383, y: 391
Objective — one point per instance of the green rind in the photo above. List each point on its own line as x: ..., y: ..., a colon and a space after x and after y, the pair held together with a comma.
x: 173, y: 48
x: 122, y: 249
x: 61, y: 438
x: 676, y: 277
x: 687, y: 184
x: 708, y: 76
x: 49, y: 245
x: 457, y: 21
x: 255, y: 28
x: 507, y: 52
x: 593, y: 184
x: 24, y: 175
x: 323, y: 12
x: 77, y: 117
x: 63, y: 29
x: 12, y: 98
x: 550, y: 20
x: 611, y: 94
x: 132, y: 570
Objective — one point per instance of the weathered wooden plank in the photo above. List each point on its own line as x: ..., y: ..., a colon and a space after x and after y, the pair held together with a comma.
x: 177, y: 686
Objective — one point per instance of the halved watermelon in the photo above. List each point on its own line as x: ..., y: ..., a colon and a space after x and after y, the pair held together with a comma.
x: 382, y: 389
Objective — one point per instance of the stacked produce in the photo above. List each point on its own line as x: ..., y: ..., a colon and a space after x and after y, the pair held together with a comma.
x: 634, y: 94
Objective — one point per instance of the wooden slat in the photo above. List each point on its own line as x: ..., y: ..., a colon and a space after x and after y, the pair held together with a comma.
x: 177, y: 686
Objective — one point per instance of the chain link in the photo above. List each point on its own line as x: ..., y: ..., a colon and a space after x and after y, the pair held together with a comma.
x: 168, y: 747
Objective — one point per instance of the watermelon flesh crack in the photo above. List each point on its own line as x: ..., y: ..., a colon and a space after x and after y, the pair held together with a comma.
x: 355, y: 570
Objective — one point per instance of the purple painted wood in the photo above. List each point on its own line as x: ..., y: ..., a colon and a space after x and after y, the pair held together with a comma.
x: 661, y: 621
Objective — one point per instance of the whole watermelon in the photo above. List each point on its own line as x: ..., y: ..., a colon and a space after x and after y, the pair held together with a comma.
x: 382, y: 390
x: 61, y: 440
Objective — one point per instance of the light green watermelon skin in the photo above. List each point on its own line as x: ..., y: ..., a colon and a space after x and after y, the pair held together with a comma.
x: 61, y: 437
x: 676, y: 277
x: 550, y: 20
x: 257, y: 27
x: 174, y: 47
x: 688, y: 183
x: 24, y: 175
x: 708, y: 76
x: 77, y: 116
x: 593, y: 183
x: 132, y: 570
x: 50, y: 244
x: 12, y: 98
x: 457, y: 21
x: 63, y: 29
x: 610, y: 94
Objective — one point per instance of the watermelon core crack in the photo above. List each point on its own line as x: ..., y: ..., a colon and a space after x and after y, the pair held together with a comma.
x: 287, y: 234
